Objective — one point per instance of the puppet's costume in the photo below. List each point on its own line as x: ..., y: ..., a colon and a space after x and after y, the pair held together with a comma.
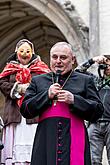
x: 18, y: 133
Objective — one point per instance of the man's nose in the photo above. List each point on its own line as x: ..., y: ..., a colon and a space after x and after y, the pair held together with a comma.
x: 58, y: 59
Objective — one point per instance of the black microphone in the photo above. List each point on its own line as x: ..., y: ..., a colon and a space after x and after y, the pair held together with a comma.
x: 57, y: 76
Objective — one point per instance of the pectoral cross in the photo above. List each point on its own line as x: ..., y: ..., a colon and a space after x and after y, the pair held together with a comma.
x: 54, y: 102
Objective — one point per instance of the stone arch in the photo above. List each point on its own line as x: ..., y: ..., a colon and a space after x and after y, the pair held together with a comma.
x: 55, y: 14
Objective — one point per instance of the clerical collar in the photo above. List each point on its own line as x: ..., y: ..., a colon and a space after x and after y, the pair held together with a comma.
x: 64, y: 75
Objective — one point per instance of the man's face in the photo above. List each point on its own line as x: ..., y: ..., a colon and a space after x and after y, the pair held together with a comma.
x: 107, y: 70
x: 61, y: 58
x: 24, y: 53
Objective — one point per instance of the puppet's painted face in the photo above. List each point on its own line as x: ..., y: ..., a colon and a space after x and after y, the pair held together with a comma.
x: 24, y: 53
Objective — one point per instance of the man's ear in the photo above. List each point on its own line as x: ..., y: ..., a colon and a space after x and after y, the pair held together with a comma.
x: 74, y: 61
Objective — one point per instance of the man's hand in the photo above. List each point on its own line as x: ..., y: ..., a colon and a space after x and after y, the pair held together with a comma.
x: 65, y: 96
x: 54, y: 90
x: 100, y: 59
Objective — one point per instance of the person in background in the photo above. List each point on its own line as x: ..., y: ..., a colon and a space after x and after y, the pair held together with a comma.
x: 62, y: 99
x: 18, y: 133
x: 99, y: 131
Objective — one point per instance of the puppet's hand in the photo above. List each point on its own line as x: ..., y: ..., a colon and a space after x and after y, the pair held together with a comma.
x: 22, y: 88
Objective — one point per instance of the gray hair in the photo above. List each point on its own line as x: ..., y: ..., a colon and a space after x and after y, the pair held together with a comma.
x: 63, y: 44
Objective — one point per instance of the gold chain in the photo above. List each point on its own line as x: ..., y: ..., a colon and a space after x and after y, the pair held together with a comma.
x: 55, y: 101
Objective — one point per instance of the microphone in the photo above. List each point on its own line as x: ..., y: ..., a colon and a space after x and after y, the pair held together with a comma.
x: 57, y: 76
